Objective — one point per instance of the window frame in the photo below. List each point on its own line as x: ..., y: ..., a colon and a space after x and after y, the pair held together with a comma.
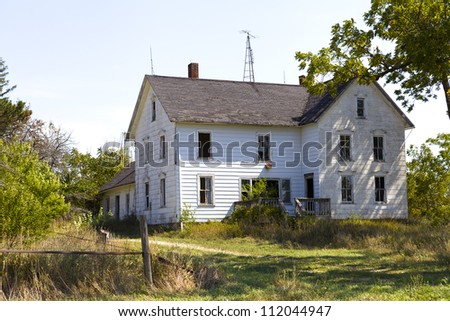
x: 205, y: 190
x: 148, y: 204
x: 347, y: 156
x: 263, y: 149
x: 162, y: 192
x: 377, y: 150
x: 148, y: 148
x: 153, y: 110
x: 378, y: 189
x: 162, y: 147
x: 347, y: 190
x: 361, y: 108
x: 201, y: 148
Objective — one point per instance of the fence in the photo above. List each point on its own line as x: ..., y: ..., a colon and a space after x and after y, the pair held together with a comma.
x: 146, y: 254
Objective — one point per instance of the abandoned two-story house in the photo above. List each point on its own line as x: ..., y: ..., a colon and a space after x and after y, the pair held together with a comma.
x: 199, y: 141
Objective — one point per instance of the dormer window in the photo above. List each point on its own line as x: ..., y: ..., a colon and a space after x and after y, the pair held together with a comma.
x: 360, y: 112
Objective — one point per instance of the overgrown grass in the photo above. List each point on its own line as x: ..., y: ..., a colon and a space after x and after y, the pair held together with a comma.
x: 311, y: 260
x: 96, y: 277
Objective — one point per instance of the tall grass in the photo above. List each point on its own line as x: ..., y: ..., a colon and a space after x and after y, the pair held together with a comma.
x: 88, y: 277
x: 409, y: 239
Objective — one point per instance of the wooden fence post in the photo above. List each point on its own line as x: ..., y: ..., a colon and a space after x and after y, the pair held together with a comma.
x: 146, y: 255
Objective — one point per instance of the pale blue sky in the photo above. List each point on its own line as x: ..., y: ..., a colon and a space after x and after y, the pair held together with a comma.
x: 80, y: 63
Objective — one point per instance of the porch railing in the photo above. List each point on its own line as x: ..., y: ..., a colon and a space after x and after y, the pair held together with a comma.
x: 319, y: 207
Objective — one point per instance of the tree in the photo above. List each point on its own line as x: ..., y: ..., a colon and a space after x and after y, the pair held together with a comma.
x: 12, y: 115
x: 419, y: 30
x: 429, y: 180
x: 30, y: 193
x: 84, y: 175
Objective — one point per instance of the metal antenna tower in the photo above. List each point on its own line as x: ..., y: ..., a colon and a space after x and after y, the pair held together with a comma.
x: 151, y: 61
x: 248, y: 67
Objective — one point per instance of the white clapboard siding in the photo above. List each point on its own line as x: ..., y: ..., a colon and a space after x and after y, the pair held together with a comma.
x: 228, y: 174
x: 380, y: 120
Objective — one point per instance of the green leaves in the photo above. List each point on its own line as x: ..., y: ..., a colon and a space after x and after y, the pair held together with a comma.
x: 30, y: 193
x: 429, y: 180
x: 418, y: 31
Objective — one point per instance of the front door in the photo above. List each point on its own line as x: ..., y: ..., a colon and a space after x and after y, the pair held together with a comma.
x: 309, y: 185
x: 309, y: 192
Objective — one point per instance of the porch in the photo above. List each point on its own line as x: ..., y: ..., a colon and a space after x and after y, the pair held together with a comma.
x: 319, y: 207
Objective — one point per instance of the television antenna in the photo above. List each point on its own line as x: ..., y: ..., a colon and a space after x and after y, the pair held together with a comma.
x: 249, y: 73
x: 151, y: 61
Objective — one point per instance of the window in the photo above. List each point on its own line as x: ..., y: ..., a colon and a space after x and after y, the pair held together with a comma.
x: 347, y: 189
x: 127, y: 204
x: 264, y: 147
x: 153, y: 110
x: 286, y: 191
x: 204, y: 145
x: 274, y: 188
x: 344, y: 145
x: 206, y: 192
x: 380, y: 189
x: 147, y: 195
x: 107, y: 206
x: 378, y: 149
x: 360, y: 108
x: 148, y: 151
x: 162, y: 192
x: 162, y: 147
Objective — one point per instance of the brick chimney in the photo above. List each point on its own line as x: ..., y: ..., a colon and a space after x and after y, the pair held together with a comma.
x: 301, y: 79
x: 193, y: 70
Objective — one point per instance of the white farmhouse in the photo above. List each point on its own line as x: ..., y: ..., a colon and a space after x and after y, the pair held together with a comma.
x: 199, y: 141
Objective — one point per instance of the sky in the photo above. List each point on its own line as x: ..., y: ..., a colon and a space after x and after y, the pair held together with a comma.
x: 80, y: 63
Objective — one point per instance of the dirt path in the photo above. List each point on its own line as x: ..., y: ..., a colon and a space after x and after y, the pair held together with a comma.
x: 197, y: 247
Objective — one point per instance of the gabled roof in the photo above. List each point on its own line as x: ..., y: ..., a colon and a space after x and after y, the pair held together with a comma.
x: 229, y: 102
x: 193, y: 100
x: 124, y: 177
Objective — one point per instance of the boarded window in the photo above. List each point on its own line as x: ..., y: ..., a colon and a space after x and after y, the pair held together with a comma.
x: 162, y: 192
x: 162, y: 147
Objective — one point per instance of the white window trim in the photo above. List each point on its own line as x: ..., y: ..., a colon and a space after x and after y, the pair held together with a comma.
x: 257, y: 146
x: 352, y: 181
x: 213, y: 189
x: 346, y: 133
x: 384, y: 148
x: 385, y: 190
x: 197, y: 153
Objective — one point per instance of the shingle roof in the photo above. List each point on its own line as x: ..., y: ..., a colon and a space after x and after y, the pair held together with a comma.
x: 124, y: 177
x: 229, y: 102
x: 193, y: 100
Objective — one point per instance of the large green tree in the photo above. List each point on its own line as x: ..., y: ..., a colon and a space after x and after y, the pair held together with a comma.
x: 30, y: 193
x: 429, y: 180
x: 416, y: 34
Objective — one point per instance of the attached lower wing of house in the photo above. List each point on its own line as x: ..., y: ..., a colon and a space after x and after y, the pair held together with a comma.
x: 199, y: 141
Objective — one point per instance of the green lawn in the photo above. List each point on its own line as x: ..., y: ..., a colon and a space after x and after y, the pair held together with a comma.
x: 264, y: 270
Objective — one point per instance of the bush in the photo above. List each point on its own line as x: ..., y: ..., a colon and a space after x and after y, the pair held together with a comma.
x: 257, y: 215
